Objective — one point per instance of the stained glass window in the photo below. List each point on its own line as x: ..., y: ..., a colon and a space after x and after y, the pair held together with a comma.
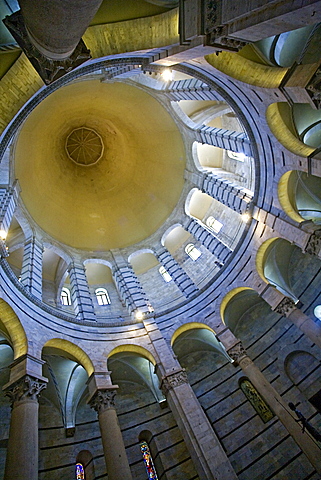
x: 80, y: 472
x: 151, y: 472
x: 256, y: 400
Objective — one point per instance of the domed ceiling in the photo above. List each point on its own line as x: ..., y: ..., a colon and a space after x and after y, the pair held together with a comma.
x: 100, y: 165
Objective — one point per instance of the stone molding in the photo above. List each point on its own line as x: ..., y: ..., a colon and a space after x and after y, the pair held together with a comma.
x: 285, y: 307
x: 25, y: 389
x: 173, y: 380
x: 103, y: 400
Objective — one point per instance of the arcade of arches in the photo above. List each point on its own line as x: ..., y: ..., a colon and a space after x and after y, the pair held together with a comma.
x: 160, y: 240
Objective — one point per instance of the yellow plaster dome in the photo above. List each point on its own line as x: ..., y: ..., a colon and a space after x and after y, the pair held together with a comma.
x: 134, y: 161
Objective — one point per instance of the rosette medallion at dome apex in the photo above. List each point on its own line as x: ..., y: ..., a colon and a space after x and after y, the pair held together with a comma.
x: 84, y: 146
x: 133, y: 175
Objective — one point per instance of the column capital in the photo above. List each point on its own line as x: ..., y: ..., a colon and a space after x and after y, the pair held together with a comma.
x: 173, y: 380
x: 103, y: 399
x: 285, y: 307
x: 238, y: 354
x: 25, y: 389
x: 313, y: 245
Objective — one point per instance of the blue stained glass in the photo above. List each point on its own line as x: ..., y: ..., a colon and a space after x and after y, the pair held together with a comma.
x: 151, y: 472
x: 80, y: 473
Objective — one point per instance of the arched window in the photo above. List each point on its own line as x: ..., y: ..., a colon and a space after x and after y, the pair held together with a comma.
x: 256, y: 400
x: 164, y: 273
x: 214, y: 224
x: 192, y: 251
x: 102, y: 296
x: 317, y: 312
x: 151, y: 472
x: 65, y: 297
x: 80, y: 472
x: 240, y: 157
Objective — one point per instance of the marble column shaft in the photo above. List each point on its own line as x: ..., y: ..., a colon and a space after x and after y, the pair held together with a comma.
x: 22, y: 451
x: 113, y: 445
x: 277, y: 404
x: 205, y: 449
x: 55, y: 28
x: 311, y: 329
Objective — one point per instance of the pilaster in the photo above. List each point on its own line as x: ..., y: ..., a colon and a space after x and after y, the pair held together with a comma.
x: 179, y: 276
x: 129, y: 287
x: 224, y: 191
x: 229, y: 140
x: 31, y: 272
x: 208, y: 239
x: 80, y: 294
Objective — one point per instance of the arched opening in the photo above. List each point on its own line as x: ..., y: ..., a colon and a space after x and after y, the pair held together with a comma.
x: 67, y: 387
x: 299, y: 195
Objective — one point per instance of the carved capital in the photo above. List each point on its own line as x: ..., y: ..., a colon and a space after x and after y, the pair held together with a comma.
x: 25, y: 389
x: 285, y: 307
x: 237, y: 353
x: 314, y: 88
x: 48, y: 69
x: 314, y: 243
x: 103, y: 400
x: 173, y: 380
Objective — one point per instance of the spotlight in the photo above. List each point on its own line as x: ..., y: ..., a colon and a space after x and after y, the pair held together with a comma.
x: 246, y: 217
x: 3, y: 235
x: 167, y: 75
x: 139, y: 315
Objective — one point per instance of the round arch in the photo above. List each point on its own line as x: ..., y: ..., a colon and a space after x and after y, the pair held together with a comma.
x: 76, y: 352
x: 189, y: 326
x: 14, y: 329
x: 261, y: 257
x: 248, y: 71
x: 284, y: 186
x: 280, y: 120
x: 141, y: 351
x: 228, y: 297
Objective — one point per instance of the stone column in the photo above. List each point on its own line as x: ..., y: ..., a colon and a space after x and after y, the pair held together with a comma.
x: 102, y: 399
x: 55, y: 28
x: 204, y: 447
x: 179, y: 276
x: 22, y: 452
x: 240, y: 358
x: 219, y: 137
x: 129, y: 287
x: 222, y: 190
x: 208, y: 239
x: 31, y: 272
x: 80, y: 294
x: 312, y: 330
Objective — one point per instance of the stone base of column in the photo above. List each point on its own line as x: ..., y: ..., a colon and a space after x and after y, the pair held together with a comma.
x: 48, y: 69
